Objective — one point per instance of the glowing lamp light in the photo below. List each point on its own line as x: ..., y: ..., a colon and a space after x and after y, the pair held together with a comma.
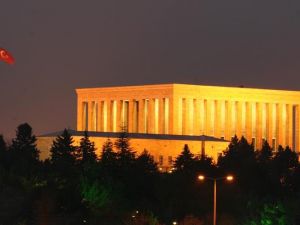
x: 229, y: 178
x: 201, y: 177
x: 174, y: 223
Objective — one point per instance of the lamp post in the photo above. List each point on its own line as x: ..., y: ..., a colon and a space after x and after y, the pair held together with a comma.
x: 215, y: 179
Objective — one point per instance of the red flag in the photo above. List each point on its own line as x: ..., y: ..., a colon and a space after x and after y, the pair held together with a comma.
x: 6, y: 57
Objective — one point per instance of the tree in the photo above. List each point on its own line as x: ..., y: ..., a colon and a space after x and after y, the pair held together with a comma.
x: 265, y: 154
x: 125, y: 154
x: 284, y: 165
x: 286, y: 159
x: 96, y: 196
x: 3, y: 152
x: 240, y: 154
x: 108, y: 156
x: 87, y: 150
x: 24, y: 154
x: 185, y: 161
x: 145, y: 163
x: 239, y: 160
x: 264, y: 170
x: 62, y: 153
x: 205, y: 165
x: 144, y: 180
x: 233, y: 145
x: 64, y: 172
x: 267, y: 214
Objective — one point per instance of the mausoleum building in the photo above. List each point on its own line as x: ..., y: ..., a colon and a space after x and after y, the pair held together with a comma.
x: 205, y: 117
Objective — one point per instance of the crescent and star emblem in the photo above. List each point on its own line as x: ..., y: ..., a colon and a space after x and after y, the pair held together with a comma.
x: 3, y: 54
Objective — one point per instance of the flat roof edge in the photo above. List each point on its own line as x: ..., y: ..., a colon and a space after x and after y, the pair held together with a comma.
x: 139, y: 136
x: 173, y: 85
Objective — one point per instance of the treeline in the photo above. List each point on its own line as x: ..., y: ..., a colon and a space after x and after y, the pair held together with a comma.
x: 75, y: 186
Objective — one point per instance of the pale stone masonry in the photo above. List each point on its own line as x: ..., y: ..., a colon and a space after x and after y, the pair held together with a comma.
x: 162, y: 118
x: 164, y: 148
x: 181, y: 109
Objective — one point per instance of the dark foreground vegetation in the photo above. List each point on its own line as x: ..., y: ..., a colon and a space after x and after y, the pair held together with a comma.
x: 76, y: 187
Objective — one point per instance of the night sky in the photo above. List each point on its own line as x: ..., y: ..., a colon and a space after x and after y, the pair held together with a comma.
x: 60, y: 45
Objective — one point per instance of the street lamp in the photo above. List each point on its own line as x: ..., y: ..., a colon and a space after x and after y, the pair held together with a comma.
x: 229, y: 178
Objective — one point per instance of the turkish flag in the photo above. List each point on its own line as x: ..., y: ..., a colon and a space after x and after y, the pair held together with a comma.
x: 6, y: 57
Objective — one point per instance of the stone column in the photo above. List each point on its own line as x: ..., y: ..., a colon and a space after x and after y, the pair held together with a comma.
x: 269, y: 123
x: 79, y: 115
x: 228, y: 120
x: 202, y: 116
x: 297, y: 129
x: 90, y: 116
x: 100, y: 116
x: 289, y: 125
x: 109, y: 115
x: 141, y: 116
x: 135, y: 114
x: 156, y: 116
x: 222, y: 119
x: 151, y: 116
x: 197, y: 117
x: 184, y: 116
x: 95, y: 116
x: 239, y: 117
x: 279, y: 134
x: 217, y: 119
x: 147, y: 115
x: 130, y: 116
x: 173, y: 114
x: 116, y: 114
x: 189, y: 112
x: 167, y: 115
x: 161, y: 116
x: 249, y: 121
x: 177, y: 113
x: 259, y: 125
x: 208, y: 118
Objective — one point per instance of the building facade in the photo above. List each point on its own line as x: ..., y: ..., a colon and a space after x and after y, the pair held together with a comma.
x: 163, y: 148
x: 162, y: 118
x: 193, y: 110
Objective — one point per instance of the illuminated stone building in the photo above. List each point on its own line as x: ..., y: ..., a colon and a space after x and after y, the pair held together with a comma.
x: 181, y: 109
x: 168, y: 115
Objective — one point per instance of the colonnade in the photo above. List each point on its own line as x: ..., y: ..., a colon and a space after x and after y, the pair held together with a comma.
x: 136, y: 116
x: 278, y: 123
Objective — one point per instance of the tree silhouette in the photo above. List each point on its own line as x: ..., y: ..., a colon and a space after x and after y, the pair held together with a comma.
x: 239, y: 155
x: 62, y: 154
x: 286, y: 159
x: 284, y: 165
x: 204, y: 164
x: 108, y: 156
x: 239, y: 160
x: 87, y: 150
x: 233, y: 145
x: 24, y: 142
x: 145, y: 163
x: 24, y: 153
x: 125, y: 154
x: 3, y: 153
x: 265, y: 190
x: 185, y: 161
x: 265, y: 154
